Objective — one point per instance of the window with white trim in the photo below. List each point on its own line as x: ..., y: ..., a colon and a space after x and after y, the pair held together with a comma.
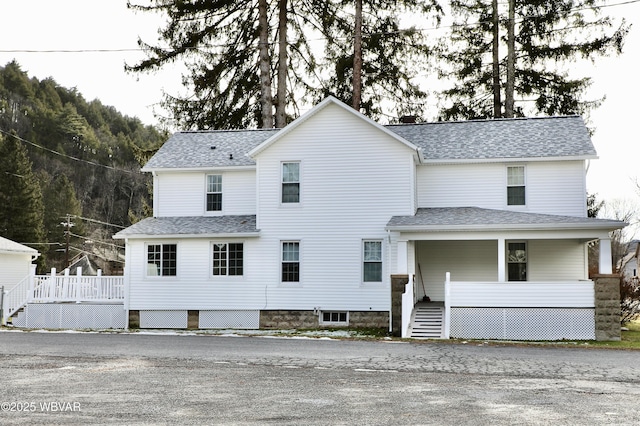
x: 214, y: 193
x: 290, y: 182
x: 228, y: 259
x: 290, y: 261
x: 516, y: 186
x: 372, y: 261
x: 162, y: 260
x: 517, y: 261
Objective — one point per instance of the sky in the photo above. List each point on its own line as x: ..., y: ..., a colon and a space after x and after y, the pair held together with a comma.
x: 41, y: 25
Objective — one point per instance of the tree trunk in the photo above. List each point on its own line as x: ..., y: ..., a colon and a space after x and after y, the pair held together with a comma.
x: 497, y: 102
x: 266, y: 99
x: 357, y: 57
x: 281, y: 95
x: 511, y: 59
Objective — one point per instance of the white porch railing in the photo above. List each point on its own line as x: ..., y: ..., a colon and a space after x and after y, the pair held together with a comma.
x: 527, y: 310
x: 54, y: 288
x: 408, y: 302
x: 522, y: 294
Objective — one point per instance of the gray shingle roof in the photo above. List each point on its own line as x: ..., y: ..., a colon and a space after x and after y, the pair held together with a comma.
x: 565, y: 136
x: 474, y: 218
x: 195, y: 149
x: 547, y: 137
x: 195, y: 225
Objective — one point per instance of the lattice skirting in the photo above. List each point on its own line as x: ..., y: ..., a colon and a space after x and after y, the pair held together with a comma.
x: 72, y: 316
x: 522, y: 323
x: 229, y: 319
x: 163, y: 319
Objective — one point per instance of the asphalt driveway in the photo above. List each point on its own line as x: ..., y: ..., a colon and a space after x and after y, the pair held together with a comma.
x: 89, y: 378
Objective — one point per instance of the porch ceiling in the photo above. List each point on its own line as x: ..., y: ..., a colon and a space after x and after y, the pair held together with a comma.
x: 445, y: 219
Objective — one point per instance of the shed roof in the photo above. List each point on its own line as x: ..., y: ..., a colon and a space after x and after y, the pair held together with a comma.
x: 165, y: 227
x: 11, y: 247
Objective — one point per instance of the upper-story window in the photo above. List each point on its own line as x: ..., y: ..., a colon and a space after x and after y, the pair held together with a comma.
x: 516, y: 186
x: 291, y: 182
x: 214, y: 193
x: 162, y: 260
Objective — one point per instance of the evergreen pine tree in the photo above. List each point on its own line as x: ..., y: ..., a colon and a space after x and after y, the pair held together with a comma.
x: 22, y: 212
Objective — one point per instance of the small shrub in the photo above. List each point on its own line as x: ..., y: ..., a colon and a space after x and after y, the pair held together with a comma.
x: 629, y: 299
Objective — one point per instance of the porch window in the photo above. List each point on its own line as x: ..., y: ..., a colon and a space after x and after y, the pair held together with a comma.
x: 372, y: 261
x: 161, y: 260
x: 290, y: 261
x: 515, y: 186
x: 228, y: 259
x: 214, y: 193
x: 517, y: 261
x: 291, y: 182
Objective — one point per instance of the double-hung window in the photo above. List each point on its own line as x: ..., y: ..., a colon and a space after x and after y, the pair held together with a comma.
x: 228, y: 259
x: 515, y: 186
x: 290, y: 261
x: 517, y: 261
x: 291, y: 182
x: 372, y: 261
x: 214, y: 193
x: 162, y: 260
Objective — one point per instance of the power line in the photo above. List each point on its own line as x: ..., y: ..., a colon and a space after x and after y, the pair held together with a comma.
x: 97, y: 221
x: 65, y: 155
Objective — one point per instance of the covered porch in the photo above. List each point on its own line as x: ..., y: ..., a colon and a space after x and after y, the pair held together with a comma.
x: 501, y: 275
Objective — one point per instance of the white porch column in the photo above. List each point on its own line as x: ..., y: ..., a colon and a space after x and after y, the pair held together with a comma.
x: 403, y: 258
x: 502, y: 276
x: 605, y: 266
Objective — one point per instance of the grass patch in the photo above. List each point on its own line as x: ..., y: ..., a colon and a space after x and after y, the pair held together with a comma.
x: 630, y: 339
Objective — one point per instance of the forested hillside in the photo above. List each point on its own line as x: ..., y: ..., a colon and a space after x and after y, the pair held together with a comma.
x: 63, y: 155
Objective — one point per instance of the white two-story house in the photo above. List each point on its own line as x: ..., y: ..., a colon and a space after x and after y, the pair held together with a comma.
x: 309, y: 225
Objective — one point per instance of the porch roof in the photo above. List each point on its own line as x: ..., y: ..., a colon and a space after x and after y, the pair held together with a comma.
x: 478, y: 219
x: 194, y: 226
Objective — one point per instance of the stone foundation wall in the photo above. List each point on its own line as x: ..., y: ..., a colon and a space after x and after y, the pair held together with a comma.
x: 283, y: 319
x: 134, y: 319
x: 607, y: 306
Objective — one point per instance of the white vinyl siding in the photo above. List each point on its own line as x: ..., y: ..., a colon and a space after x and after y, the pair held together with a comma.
x: 195, y: 287
x: 466, y: 260
x: 14, y: 268
x: 354, y: 179
x: 553, y: 187
x: 184, y: 193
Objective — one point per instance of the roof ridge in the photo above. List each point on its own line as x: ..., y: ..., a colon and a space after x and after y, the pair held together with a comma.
x: 484, y: 120
x: 228, y: 131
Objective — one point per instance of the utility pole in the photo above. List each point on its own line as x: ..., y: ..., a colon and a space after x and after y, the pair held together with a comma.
x: 67, y: 232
